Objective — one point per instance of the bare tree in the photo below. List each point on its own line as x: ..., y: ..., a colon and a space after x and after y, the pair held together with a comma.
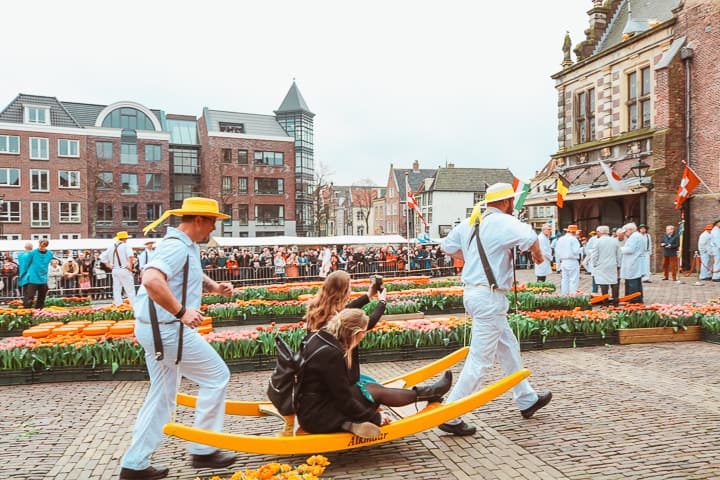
x: 363, y: 193
x: 323, y: 198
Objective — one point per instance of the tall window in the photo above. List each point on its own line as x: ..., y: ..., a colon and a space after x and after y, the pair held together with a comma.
x: 272, y: 159
x: 103, y: 150
x: 226, y: 186
x: 105, y: 180
x: 129, y: 183
x: 68, y: 148
x: 39, y: 214
x: 68, y: 179
x: 39, y: 149
x: 243, y: 215
x: 227, y: 155
x: 128, y: 153
x: 39, y: 180
x: 153, y: 153
x: 69, y: 212
x: 585, y: 116
x: 153, y: 182
x: 242, y: 185
x: 129, y: 214
x: 228, y: 210
x: 269, y: 214
x: 39, y: 115
x: 9, y: 177
x: 153, y: 211
x: 242, y: 157
x: 104, y: 214
x: 10, y: 212
x: 9, y: 144
x: 638, y: 103
x: 182, y: 191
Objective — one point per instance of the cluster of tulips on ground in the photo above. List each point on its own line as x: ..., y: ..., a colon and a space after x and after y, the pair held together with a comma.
x: 310, y: 470
x: 54, y: 336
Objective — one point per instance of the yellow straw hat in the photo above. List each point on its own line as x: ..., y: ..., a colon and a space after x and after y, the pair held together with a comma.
x: 122, y: 235
x: 494, y: 193
x: 205, y: 207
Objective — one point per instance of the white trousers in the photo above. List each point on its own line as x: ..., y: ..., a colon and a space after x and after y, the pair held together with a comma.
x: 706, y: 259
x: 201, y: 364
x: 716, y: 265
x: 492, y: 339
x: 123, y: 278
x: 570, y: 277
x: 646, y: 266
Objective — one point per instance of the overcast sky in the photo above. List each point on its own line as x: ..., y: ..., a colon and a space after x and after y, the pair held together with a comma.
x: 466, y: 82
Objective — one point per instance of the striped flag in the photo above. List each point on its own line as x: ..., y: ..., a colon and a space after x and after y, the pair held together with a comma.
x: 614, y: 180
x: 521, y: 192
x: 563, y: 186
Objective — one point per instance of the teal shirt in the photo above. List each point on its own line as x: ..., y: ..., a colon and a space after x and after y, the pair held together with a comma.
x: 23, y: 268
x: 37, y: 266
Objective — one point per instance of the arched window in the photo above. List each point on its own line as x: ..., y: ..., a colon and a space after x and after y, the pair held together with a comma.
x: 128, y: 118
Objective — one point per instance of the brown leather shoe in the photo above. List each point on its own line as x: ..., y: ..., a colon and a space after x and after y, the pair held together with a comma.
x: 150, y: 473
x: 214, y: 460
x: 543, y: 399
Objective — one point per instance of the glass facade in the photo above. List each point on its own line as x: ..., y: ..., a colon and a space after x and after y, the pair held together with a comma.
x: 128, y: 118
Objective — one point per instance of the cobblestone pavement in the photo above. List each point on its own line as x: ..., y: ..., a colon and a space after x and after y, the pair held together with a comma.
x: 637, y: 411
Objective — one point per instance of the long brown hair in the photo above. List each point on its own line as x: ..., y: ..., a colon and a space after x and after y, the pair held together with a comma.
x: 331, y: 298
x: 345, y: 326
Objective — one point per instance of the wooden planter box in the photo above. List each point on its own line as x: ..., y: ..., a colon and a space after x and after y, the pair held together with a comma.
x: 629, y: 336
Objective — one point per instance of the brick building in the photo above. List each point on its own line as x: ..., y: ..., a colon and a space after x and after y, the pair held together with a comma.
x: 76, y: 170
x: 396, y: 221
x: 623, y: 102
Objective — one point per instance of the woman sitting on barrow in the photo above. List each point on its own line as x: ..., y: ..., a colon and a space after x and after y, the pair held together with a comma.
x: 330, y: 400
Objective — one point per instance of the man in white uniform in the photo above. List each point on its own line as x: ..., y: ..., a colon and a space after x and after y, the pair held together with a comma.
x: 486, y: 301
x: 631, y: 269
x: 146, y: 255
x: 567, y: 253
x: 605, y: 259
x: 647, y: 252
x: 118, y: 256
x: 542, y: 270
x: 706, y: 253
x: 715, y: 241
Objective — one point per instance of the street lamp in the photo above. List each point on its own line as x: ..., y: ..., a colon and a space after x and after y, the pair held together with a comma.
x: 640, y: 169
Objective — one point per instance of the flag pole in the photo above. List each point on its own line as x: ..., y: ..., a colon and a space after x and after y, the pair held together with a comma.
x: 407, y: 220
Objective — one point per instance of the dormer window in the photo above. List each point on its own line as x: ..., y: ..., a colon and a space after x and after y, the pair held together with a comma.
x: 37, y: 115
x: 231, y: 127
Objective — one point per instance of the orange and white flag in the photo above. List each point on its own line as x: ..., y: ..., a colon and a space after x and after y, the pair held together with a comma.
x: 614, y: 180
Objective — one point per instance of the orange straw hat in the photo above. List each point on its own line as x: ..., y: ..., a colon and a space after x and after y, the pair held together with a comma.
x: 204, y: 207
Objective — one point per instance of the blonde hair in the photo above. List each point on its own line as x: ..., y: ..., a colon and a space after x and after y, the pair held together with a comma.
x: 345, y: 326
x: 331, y: 298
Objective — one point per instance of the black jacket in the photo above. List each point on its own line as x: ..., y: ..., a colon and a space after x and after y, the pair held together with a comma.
x: 328, y: 396
x: 670, y: 244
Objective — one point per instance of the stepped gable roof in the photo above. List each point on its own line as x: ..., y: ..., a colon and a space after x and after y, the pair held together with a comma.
x: 59, y: 116
x: 415, y: 178
x: 293, y: 101
x: 254, y: 124
x: 634, y: 16
x: 469, y: 179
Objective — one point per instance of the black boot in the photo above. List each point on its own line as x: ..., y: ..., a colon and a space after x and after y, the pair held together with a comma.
x: 434, y: 392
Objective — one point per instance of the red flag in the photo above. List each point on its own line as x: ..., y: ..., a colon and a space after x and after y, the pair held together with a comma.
x: 412, y: 203
x: 687, y: 185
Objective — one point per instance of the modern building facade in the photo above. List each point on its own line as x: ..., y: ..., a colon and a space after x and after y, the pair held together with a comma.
x: 77, y: 170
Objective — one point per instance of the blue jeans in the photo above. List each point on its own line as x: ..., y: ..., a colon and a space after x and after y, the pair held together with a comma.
x: 633, y: 285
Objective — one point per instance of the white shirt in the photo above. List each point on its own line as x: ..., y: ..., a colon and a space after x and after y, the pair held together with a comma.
x: 605, y: 259
x: 145, y: 257
x: 567, y: 248
x: 587, y: 252
x: 704, y: 242
x: 499, y: 233
x: 123, y: 252
x: 633, y: 251
x: 544, y: 268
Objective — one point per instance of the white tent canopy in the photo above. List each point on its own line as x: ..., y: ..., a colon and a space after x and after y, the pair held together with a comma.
x: 288, y: 240
x: 76, y: 244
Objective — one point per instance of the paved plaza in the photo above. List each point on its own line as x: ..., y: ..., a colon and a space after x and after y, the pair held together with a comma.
x: 637, y: 411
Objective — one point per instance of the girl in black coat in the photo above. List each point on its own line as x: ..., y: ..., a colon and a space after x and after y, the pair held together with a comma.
x: 330, y: 401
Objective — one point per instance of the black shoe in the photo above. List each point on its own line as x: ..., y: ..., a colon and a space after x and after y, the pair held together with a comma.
x: 543, y: 399
x: 460, y: 429
x: 434, y: 392
x: 214, y: 460
x: 716, y: 279
x: 150, y: 473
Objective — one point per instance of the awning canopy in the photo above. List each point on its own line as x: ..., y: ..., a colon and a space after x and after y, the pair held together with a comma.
x: 588, y: 191
x: 307, y: 241
x: 57, y: 245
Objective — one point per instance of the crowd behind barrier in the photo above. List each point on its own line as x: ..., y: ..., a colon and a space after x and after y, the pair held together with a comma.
x: 74, y: 273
